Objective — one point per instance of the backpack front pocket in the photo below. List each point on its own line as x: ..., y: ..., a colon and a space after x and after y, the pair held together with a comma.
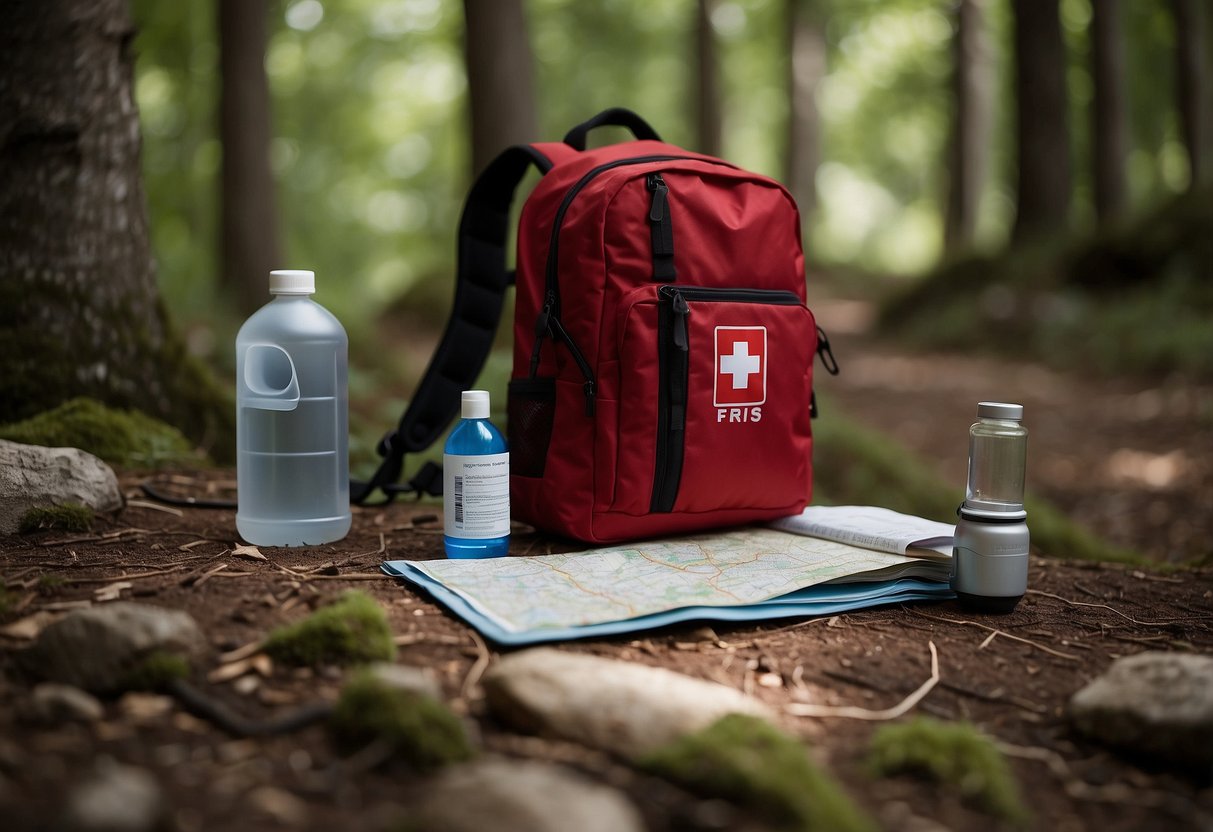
x: 715, y: 401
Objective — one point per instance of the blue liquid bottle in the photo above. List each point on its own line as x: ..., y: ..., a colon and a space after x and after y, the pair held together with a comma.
x: 476, y: 484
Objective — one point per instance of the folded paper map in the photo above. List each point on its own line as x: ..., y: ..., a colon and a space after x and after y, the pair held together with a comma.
x: 744, y: 574
x: 873, y: 528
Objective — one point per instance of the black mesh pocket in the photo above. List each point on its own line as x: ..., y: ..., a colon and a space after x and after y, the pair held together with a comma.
x: 532, y: 407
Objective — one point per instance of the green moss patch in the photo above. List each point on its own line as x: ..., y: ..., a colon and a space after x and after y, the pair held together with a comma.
x: 746, y: 760
x: 353, y: 630
x: 69, y: 517
x: 156, y: 671
x: 120, y: 437
x: 952, y: 754
x: 420, y: 730
x: 855, y: 465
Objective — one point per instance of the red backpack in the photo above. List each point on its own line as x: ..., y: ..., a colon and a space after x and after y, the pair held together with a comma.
x: 663, y: 352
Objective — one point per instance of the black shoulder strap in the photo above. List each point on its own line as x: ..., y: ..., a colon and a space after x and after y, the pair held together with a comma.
x: 480, y: 288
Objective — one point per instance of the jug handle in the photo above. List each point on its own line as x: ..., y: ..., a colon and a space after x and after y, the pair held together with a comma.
x: 263, y: 371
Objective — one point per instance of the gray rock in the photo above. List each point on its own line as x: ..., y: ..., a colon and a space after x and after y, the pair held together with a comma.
x: 1154, y: 703
x: 627, y: 709
x: 98, y: 648
x: 405, y: 678
x: 523, y: 796
x: 116, y: 798
x: 32, y: 476
x: 52, y: 703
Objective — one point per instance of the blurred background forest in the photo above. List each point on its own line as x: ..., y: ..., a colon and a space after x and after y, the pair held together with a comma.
x: 1024, y: 175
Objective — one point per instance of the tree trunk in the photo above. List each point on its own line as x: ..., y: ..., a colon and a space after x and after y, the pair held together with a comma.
x: 708, y: 128
x: 806, y: 67
x: 248, y: 216
x: 969, y: 144
x: 80, y: 314
x: 1109, y: 124
x: 1044, y: 142
x: 497, y: 51
x: 1192, y: 74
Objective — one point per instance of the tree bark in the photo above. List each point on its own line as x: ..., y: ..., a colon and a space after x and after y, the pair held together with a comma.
x: 806, y: 67
x: 80, y: 314
x: 497, y: 51
x: 1044, y: 148
x: 969, y: 144
x: 1192, y: 76
x: 248, y: 222
x: 1109, y: 125
x: 708, y: 129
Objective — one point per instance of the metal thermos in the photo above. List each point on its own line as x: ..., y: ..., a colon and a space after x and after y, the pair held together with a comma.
x: 990, y: 554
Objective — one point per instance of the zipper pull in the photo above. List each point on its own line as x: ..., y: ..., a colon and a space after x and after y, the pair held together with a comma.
x: 827, y: 355
x: 543, y: 328
x: 682, y: 311
x: 588, y: 390
x: 657, y: 185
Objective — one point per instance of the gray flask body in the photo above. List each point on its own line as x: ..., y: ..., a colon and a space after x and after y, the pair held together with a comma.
x: 292, y: 457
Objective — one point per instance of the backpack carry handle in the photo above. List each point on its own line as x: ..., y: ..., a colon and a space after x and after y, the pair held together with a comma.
x: 617, y: 117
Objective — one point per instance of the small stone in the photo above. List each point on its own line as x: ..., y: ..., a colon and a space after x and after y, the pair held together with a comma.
x: 52, y: 703
x: 32, y: 476
x: 116, y: 798
x: 1155, y: 703
x: 626, y: 709
x: 101, y: 649
x: 406, y: 678
x: 523, y: 796
x: 279, y: 805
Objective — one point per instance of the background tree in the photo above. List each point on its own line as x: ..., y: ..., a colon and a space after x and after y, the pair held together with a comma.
x: 708, y: 118
x: 806, y: 47
x: 79, y: 308
x: 1192, y: 75
x: 969, y: 142
x: 1043, y: 177
x: 248, y: 212
x: 1109, y: 137
x: 497, y: 52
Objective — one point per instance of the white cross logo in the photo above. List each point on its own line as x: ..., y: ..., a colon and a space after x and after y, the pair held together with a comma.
x: 740, y: 365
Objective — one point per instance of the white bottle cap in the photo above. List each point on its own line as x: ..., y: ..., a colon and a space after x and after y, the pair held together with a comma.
x: 475, y: 404
x: 292, y: 282
x: 999, y: 410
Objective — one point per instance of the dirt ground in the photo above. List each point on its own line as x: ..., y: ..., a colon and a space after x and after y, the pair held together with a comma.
x: 1131, y: 459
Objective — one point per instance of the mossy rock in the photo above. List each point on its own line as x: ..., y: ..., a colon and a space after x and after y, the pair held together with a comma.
x: 951, y: 754
x: 353, y: 630
x: 69, y: 517
x: 157, y: 671
x: 749, y: 762
x: 120, y: 437
x: 855, y: 465
x: 420, y: 730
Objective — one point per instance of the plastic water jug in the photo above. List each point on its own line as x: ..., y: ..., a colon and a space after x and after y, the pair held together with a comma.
x: 292, y: 411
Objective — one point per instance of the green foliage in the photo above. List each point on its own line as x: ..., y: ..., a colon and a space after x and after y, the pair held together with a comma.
x: 854, y: 465
x: 952, y: 754
x: 1134, y: 300
x: 156, y: 671
x: 121, y: 437
x: 353, y: 630
x: 69, y: 517
x: 750, y: 762
x: 421, y: 731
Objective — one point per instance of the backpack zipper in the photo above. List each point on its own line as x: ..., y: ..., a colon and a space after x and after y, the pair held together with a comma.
x: 661, y: 228
x: 673, y: 364
x: 548, y: 322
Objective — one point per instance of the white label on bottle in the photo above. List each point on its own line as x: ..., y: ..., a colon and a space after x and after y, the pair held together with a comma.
x: 476, y: 495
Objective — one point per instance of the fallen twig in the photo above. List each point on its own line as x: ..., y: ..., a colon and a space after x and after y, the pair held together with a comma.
x: 176, y: 512
x: 1129, y: 618
x: 850, y: 712
x: 108, y: 537
x: 472, y: 680
x: 1027, y: 641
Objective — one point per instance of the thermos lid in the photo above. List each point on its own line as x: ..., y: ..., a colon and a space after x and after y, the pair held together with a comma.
x: 475, y: 404
x: 999, y: 410
x: 292, y: 282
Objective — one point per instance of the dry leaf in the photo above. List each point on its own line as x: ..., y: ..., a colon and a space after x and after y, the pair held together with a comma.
x: 227, y: 672
x: 111, y: 592
x: 263, y: 664
x: 249, y: 552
